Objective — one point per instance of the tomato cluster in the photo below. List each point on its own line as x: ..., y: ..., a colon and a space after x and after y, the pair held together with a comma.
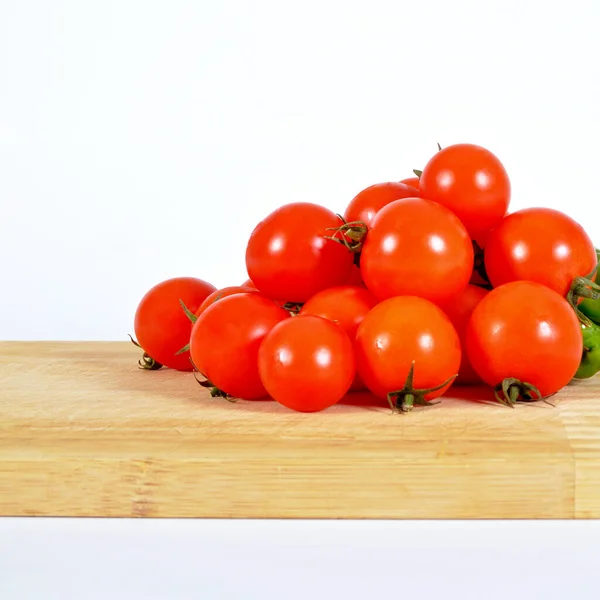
x: 422, y: 284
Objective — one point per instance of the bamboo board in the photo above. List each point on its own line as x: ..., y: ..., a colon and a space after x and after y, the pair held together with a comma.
x: 84, y: 432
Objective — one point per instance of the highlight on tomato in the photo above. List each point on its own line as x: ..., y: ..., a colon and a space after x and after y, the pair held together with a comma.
x: 407, y: 351
x: 289, y: 256
x: 161, y: 325
x: 524, y: 340
x: 307, y: 363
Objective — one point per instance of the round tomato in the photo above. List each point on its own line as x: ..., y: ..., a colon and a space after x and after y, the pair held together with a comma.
x: 288, y: 256
x: 401, y: 332
x: 542, y: 245
x: 345, y: 305
x: 225, y: 341
x: 524, y: 333
x: 416, y: 247
x: 412, y: 181
x: 307, y: 363
x: 471, y: 182
x: 161, y: 325
x: 224, y: 293
x: 459, y: 309
x: 366, y: 204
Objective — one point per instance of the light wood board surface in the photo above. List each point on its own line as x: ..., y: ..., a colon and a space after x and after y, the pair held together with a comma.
x: 84, y: 432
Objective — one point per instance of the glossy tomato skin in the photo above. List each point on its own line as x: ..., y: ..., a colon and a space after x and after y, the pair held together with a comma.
x: 542, y: 245
x: 471, y: 182
x: 525, y: 330
x: 459, y: 309
x: 249, y: 283
x: 345, y: 305
x: 224, y: 293
x: 288, y: 257
x: 355, y: 277
x: 162, y: 327
x: 399, y: 331
x: 416, y: 247
x: 225, y: 341
x: 307, y: 363
x: 367, y: 203
x: 412, y: 181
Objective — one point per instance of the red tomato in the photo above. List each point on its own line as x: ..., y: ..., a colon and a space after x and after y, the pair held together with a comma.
x: 459, y: 309
x: 416, y: 247
x: 248, y: 283
x: 526, y: 331
x: 345, y: 305
x: 412, y: 181
x: 366, y: 204
x: 161, y: 325
x: 307, y: 363
x: 471, y: 182
x: 224, y: 293
x: 398, y: 332
x: 225, y: 341
x: 542, y: 245
x: 355, y: 277
x: 288, y: 256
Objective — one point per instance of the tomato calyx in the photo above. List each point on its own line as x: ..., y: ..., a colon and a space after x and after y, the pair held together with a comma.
x: 214, y: 391
x: 511, y: 390
x: 146, y: 362
x: 293, y: 308
x: 584, y: 288
x: 189, y: 314
x: 351, y: 234
x: 405, y: 399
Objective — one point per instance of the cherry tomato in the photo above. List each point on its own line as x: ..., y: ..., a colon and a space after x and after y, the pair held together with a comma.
x: 307, y: 363
x: 224, y: 293
x: 398, y: 332
x: 345, y: 305
x: 161, y: 325
x: 366, y: 204
x: 542, y: 245
x: 412, y: 181
x: 416, y: 247
x: 225, y: 341
x: 471, y: 182
x: 288, y: 256
x: 355, y: 277
x: 248, y: 283
x: 526, y: 331
x: 459, y: 309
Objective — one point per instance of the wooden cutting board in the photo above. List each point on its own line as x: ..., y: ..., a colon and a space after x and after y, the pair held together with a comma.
x: 84, y: 432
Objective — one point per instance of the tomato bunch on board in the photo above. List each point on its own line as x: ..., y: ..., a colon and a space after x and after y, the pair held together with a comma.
x: 414, y: 287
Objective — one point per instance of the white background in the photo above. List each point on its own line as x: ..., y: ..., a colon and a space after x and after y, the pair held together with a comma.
x: 144, y: 140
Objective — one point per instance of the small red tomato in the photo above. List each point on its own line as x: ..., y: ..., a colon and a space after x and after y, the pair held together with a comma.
x: 345, y: 305
x: 161, y: 325
x: 412, y: 181
x: 459, y: 309
x: 416, y: 247
x: 307, y: 363
x: 225, y: 341
x: 355, y: 277
x: 471, y: 182
x: 366, y: 204
x: 399, y: 332
x: 288, y: 256
x: 526, y: 331
x: 224, y: 293
x: 542, y: 245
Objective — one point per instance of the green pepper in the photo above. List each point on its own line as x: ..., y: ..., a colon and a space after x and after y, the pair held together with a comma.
x: 591, y: 308
x: 590, y: 361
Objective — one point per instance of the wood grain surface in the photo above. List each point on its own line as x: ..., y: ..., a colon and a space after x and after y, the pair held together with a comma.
x: 84, y: 432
